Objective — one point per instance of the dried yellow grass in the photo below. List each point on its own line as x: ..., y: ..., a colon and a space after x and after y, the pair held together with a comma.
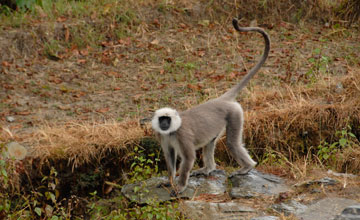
x: 296, y: 119
x: 290, y: 121
x: 81, y: 143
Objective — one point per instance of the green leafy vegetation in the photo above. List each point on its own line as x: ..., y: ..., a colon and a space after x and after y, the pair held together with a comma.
x: 328, y: 153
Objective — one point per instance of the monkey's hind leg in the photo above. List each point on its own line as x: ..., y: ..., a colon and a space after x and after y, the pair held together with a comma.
x: 235, y: 145
x: 208, y: 160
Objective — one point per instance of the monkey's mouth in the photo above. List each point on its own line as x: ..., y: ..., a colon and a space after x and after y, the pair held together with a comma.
x: 164, y: 127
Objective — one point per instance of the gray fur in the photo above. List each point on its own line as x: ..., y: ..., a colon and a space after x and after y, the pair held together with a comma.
x: 203, y: 125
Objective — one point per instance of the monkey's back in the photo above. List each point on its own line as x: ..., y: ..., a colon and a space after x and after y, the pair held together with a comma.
x: 207, y: 121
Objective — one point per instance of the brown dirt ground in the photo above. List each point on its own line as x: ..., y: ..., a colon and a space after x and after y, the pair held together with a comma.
x: 178, y: 65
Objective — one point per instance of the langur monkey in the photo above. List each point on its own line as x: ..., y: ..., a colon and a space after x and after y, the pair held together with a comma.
x: 182, y: 133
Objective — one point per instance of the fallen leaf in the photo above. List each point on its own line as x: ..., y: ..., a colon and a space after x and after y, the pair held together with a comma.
x: 5, y: 64
x: 61, y: 19
x: 79, y: 94
x: 63, y: 107
x: 217, y: 78
x: 23, y: 113
x: 169, y: 59
x: 182, y: 25
x: 84, y: 52
x: 201, y: 53
x: 112, y: 74
x: 161, y: 86
x: 155, y: 42
x: 81, y: 61
x: 156, y: 22
x: 103, y: 110
x: 136, y: 98
x: 55, y: 80
x: 144, y: 87
x: 194, y: 87
x: 67, y: 33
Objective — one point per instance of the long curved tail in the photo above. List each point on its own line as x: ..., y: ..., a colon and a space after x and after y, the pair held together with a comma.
x: 233, y: 92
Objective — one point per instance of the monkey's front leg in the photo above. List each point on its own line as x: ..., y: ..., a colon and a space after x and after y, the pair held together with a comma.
x: 187, y: 163
x: 170, y: 158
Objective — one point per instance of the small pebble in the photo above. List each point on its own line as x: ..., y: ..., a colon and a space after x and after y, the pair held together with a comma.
x: 10, y: 119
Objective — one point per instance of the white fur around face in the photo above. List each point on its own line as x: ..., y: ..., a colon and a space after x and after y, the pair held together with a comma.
x: 175, y: 120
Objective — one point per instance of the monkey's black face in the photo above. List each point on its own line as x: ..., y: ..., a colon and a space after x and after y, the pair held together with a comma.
x: 164, y: 122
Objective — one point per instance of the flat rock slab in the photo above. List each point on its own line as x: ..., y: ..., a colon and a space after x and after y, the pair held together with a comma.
x: 350, y: 213
x: 290, y: 207
x: 256, y: 183
x: 266, y: 218
x: 327, y: 208
x: 148, y: 190
x: 216, y: 211
x: 326, y: 181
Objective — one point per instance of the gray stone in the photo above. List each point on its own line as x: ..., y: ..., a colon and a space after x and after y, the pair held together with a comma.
x: 10, y: 119
x: 290, y: 207
x: 315, y: 191
x: 345, y: 175
x: 256, y: 183
x: 148, y: 190
x: 326, y: 181
x: 350, y: 213
x: 266, y: 218
x: 326, y: 208
x: 211, y: 210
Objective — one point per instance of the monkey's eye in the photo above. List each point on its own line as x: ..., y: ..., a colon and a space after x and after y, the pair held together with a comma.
x: 164, y: 122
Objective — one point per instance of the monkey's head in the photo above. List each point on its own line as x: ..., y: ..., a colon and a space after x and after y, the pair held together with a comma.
x: 166, y: 120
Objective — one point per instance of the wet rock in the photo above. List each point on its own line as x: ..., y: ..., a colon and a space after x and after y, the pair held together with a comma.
x: 16, y: 151
x: 256, y: 183
x: 211, y: 210
x: 326, y: 208
x: 350, y: 213
x: 326, y: 181
x: 315, y: 191
x: 290, y: 207
x: 148, y: 190
x: 266, y: 218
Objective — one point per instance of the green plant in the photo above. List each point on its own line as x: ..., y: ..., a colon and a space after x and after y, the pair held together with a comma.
x: 156, y: 210
x: 4, y: 182
x: 272, y: 157
x: 319, y: 64
x: 143, y: 167
x: 30, y: 4
x: 327, y: 152
x: 44, y: 200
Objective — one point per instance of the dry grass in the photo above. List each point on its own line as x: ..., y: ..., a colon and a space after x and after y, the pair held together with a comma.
x: 292, y: 122
x: 299, y: 118
x: 343, y: 11
x: 83, y: 143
